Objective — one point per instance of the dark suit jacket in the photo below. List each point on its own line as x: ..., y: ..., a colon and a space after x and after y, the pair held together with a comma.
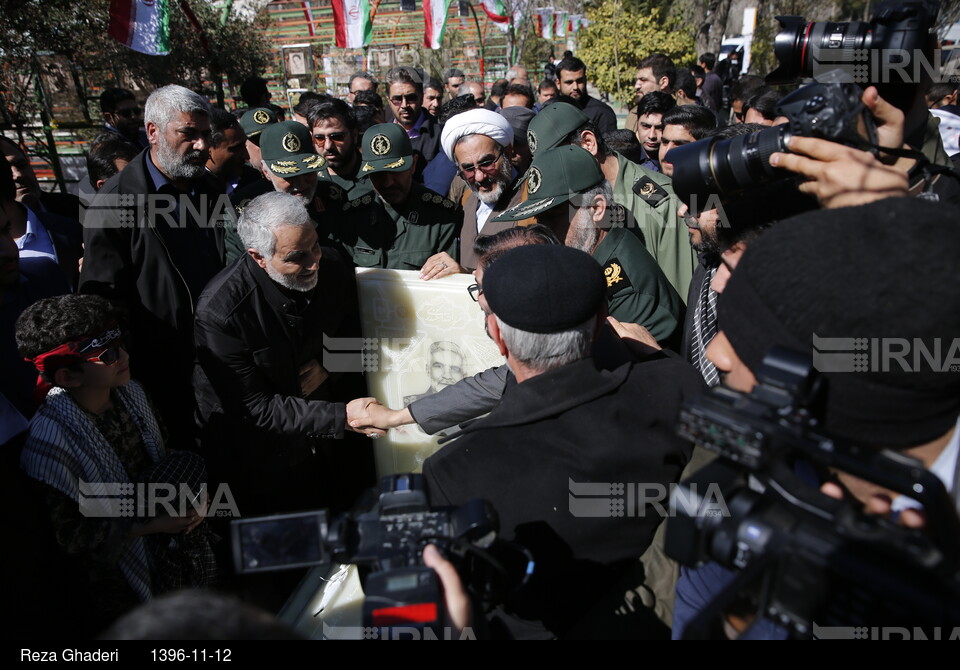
x: 427, y: 144
x: 700, y: 274
x: 571, y: 426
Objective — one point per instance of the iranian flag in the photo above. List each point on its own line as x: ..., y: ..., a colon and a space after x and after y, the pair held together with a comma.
x: 560, y: 24
x: 142, y: 25
x: 435, y: 20
x: 308, y: 15
x: 351, y: 19
x: 496, y: 11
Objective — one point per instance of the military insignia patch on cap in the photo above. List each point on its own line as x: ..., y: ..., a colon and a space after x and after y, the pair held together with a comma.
x: 366, y: 167
x: 532, y: 141
x: 314, y: 162
x: 261, y: 117
x: 380, y: 145
x: 396, y: 163
x: 290, y: 143
x: 615, y: 277
x: 282, y: 169
x: 650, y: 191
x: 534, y: 181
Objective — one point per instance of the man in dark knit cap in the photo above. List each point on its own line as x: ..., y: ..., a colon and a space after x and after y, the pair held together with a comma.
x: 882, y: 276
x: 563, y: 422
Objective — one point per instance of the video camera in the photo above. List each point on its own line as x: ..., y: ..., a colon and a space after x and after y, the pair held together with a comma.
x: 389, y: 539
x: 803, y: 556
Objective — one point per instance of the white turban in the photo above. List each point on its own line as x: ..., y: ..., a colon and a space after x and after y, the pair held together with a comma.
x: 475, y: 122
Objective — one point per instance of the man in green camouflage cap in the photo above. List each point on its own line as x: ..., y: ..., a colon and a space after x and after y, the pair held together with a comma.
x: 566, y: 191
x: 291, y: 165
x: 401, y: 224
x: 253, y: 122
x: 647, y: 195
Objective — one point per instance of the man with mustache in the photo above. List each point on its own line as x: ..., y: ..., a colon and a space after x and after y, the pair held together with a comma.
x: 480, y: 143
x: 402, y: 224
x: 336, y: 138
x: 153, y: 238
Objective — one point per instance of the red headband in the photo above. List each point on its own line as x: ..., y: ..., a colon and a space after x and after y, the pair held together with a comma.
x: 69, y: 353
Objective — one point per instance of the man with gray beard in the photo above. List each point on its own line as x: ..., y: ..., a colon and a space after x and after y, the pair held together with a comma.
x: 567, y: 193
x: 153, y: 238
x: 480, y: 143
x: 266, y: 404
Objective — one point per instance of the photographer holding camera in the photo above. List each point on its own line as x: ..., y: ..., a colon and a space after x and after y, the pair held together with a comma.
x: 819, y: 275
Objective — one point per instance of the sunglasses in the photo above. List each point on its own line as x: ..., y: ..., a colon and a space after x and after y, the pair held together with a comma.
x: 108, y: 356
x: 475, y: 291
x: 336, y: 138
x: 409, y: 98
x: 130, y: 112
x: 487, y: 166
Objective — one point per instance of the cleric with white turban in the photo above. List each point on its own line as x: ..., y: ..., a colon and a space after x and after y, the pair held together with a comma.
x: 475, y: 122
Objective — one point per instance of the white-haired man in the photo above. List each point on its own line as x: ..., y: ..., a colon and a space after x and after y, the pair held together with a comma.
x: 480, y: 143
x: 266, y: 402
x: 153, y: 238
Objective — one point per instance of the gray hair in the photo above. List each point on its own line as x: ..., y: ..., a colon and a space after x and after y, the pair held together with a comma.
x: 165, y: 103
x: 464, y: 88
x: 542, y: 352
x: 264, y: 214
x: 586, y: 232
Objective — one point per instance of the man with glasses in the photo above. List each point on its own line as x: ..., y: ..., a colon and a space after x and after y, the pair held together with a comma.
x: 401, y: 224
x: 405, y: 95
x: 480, y: 143
x: 336, y: 138
x: 123, y: 115
x: 361, y: 81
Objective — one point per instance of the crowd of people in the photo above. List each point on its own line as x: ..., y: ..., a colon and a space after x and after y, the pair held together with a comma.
x: 169, y: 327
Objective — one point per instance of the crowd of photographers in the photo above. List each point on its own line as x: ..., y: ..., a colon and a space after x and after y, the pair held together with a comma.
x: 171, y: 328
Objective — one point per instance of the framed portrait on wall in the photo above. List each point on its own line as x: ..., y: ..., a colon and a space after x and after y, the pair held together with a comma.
x: 422, y: 337
x: 298, y: 64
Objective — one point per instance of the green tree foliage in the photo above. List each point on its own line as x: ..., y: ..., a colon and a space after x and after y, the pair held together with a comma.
x: 77, y: 32
x: 616, y: 41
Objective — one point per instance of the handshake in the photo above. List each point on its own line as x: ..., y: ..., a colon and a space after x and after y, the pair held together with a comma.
x: 371, y: 418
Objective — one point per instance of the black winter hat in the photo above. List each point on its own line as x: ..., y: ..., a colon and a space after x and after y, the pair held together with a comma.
x: 871, y: 294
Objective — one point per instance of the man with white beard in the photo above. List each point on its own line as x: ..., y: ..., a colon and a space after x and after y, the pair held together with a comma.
x: 153, y: 238
x: 480, y: 143
x: 267, y: 406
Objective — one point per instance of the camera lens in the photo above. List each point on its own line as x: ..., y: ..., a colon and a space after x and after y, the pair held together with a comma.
x: 713, y: 168
x: 802, y: 48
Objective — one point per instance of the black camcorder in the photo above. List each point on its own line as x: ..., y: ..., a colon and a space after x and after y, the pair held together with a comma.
x: 389, y: 539
x: 803, y: 558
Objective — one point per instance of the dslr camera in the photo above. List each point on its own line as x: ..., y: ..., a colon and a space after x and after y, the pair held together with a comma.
x: 712, y: 167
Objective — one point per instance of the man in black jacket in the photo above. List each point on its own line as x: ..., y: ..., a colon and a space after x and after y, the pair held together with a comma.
x: 153, y: 238
x: 562, y: 423
x: 267, y: 405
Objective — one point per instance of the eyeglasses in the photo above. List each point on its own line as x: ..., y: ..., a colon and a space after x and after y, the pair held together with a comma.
x: 108, y: 356
x: 409, y: 98
x: 475, y: 291
x: 741, y: 115
x: 484, y: 166
x: 130, y: 112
